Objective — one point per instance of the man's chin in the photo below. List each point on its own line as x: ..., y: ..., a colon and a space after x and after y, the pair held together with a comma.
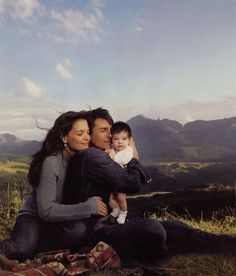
x: 103, y: 146
x: 107, y: 146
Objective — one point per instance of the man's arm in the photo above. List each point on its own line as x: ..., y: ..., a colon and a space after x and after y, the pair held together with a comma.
x: 102, y: 169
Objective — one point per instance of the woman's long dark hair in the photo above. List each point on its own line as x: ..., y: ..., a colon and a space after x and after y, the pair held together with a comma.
x: 53, y: 143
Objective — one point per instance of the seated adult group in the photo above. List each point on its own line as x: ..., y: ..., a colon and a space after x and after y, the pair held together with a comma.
x: 65, y: 212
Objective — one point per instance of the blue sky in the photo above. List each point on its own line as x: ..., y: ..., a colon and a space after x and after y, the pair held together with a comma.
x: 161, y: 58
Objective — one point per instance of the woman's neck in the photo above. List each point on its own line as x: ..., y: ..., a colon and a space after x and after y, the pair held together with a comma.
x: 67, y: 153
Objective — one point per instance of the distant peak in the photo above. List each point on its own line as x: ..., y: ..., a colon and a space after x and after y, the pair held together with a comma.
x: 9, y: 138
x: 139, y: 116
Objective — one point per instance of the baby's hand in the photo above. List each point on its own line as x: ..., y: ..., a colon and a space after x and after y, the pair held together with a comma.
x: 111, y: 154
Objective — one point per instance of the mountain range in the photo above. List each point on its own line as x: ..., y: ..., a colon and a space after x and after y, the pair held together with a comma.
x: 195, y: 141
x: 162, y: 140
x: 10, y: 144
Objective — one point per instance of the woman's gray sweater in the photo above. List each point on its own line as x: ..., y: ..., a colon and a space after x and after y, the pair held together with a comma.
x: 45, y: 200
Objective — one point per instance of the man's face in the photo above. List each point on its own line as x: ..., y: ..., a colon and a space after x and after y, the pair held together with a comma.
x: 101, y: 135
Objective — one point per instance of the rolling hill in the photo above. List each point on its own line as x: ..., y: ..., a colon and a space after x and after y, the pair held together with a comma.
x: 10, y: 144
x: 162, y: 140
x: 195, y: 141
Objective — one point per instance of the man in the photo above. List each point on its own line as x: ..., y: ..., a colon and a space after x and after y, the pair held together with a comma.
x: 142, y: 239
x: 96, y: 174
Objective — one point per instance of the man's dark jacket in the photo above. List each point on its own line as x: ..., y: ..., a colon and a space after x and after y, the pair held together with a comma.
x: 92, y: 172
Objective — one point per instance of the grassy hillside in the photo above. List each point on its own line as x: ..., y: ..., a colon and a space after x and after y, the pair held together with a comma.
x: 210, y: 209
x: 13, y: 167
x: 187, y: 264
x: 197, y: 204
x: 13, y: 157
x: 176, y: 176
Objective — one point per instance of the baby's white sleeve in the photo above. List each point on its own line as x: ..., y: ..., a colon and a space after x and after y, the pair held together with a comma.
x: 123, y: 157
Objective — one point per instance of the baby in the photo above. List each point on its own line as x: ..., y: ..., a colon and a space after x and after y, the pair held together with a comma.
x: 121, y: 153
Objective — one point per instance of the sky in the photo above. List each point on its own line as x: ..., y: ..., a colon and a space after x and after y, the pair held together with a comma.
x: 172, y: 59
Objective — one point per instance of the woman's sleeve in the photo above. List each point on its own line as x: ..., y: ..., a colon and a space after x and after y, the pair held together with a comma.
x: 49, y: 209
x: 101, y: 168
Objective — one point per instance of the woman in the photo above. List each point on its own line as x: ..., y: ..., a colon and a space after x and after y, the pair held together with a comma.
x: 44, y: 223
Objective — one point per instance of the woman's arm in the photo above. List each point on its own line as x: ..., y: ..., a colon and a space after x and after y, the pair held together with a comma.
x: 50, y: 209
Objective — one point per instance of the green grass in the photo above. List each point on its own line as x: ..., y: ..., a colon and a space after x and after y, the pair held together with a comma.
x: 191, y: 264
x: 12, y: 167
x: 13, y: 157
x: 195, y: 264
x: 205, y: 153
x: 172, y: 168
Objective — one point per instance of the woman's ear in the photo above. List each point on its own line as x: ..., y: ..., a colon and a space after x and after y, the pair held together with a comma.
x: 64, y: 139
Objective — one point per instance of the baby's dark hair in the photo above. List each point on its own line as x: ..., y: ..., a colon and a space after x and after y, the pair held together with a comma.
x: 119, y: 127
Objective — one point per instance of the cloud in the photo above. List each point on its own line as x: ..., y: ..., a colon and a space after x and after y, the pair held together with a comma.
x: 141, y: 24
x: 19, y: 115
x: 77, y: 26
x: 63, y: 68
x: 97, y: 5
x: 181, y: 111
x: 230, y: 98
x: 189, y: 118
x: 2, y: 6
x: 62, y: 26
x: 139, y: 29
x: 25, y: 10
x: 27, y: 86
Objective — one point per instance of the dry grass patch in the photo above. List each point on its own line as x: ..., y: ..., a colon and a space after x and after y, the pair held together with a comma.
x: 12, y: 167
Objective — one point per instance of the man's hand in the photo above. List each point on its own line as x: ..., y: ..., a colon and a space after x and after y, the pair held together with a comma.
x: 132, y: 144
x: 102, y: 208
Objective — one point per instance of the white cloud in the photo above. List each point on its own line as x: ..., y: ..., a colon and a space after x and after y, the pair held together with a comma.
x: 62, y: 26
x: 25, y: 10
x: 77, y: 26
x: 64, y: 68
x: 139, y: 29
x: 189, y: 118
x: 181, y: 111
x: 141, y: 24
x: 19, y: 116
x: 97, y: 5
x: 2, y: 6
x: 27, y: 86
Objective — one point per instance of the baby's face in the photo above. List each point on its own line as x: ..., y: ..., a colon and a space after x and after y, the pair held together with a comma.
x: 120, y: 140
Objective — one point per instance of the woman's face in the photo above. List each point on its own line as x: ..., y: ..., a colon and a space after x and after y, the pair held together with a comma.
x: 78, y: 137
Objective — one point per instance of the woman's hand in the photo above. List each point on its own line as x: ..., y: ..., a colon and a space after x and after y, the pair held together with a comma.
x: 102, y: 207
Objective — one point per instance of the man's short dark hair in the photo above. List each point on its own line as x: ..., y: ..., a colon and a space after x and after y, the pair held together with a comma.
x: 119, y: 127
x: 98, y: 113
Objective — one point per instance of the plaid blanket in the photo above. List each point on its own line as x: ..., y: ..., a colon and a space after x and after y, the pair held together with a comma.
x: 62, y: 262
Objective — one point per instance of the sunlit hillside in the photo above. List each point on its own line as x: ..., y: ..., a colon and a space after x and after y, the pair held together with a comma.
x: 216, y: 213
